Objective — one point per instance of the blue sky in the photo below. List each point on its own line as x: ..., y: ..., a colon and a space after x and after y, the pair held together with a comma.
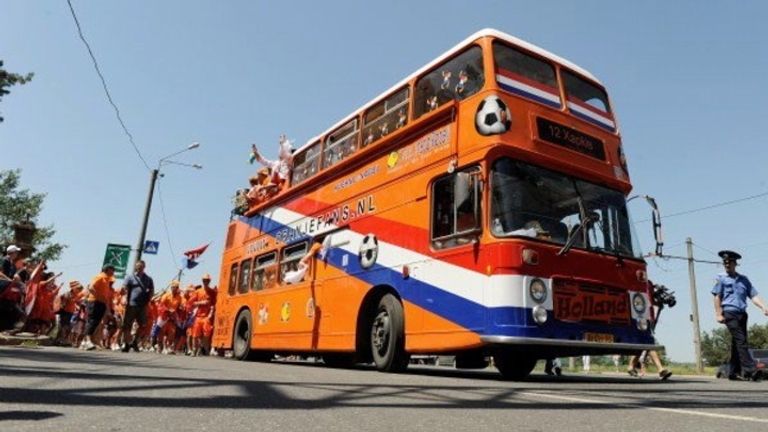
x: 687, y: 80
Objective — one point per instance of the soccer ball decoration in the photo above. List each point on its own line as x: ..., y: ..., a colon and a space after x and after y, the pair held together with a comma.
x: 369, y: 251
x: 493, y: 116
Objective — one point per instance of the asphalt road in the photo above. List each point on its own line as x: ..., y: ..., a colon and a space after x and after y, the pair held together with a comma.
x: 62, y: 389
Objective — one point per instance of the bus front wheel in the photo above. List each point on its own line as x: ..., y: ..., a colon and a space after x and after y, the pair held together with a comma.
x: 241, y: 344
x: 388, y: 336
x: 514, y: 367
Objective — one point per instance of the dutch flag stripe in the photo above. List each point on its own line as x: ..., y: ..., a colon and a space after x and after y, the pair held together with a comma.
x: 527, y: 88
x: 591, y: 113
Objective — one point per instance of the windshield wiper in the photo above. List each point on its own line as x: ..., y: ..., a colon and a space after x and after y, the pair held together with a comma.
x: 587, y: 219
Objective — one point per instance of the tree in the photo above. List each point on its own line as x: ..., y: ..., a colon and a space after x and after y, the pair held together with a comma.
x: 9, y: 79
x: 716, y: 348
x: 16, y: 205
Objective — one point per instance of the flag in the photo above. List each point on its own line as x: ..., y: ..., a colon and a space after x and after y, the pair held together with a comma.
x: 188, y: 263
x: 194, y: 254
x: 32, y: 287
x: 252, y: 158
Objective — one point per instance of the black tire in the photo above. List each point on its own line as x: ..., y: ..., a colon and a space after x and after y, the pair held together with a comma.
x: 514, y: 367
x: 241, y: 338
x: 387, y: 330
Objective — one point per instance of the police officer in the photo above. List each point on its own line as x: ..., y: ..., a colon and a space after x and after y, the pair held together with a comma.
x: 731, y: 291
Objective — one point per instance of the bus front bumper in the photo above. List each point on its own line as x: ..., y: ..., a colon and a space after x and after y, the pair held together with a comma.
x: 567, y: 347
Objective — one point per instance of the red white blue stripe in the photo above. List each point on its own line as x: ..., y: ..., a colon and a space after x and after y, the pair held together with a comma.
x: 528, y: 88
x: 591, y: 114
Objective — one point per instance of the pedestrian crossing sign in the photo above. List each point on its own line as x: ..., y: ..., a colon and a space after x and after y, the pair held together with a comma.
x: 151, y: 247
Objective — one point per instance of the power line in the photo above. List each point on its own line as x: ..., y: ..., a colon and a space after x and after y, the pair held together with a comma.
x: 705, y: 249
x: 709, y: 207
x: 104, y: 84
x: 165, y: 225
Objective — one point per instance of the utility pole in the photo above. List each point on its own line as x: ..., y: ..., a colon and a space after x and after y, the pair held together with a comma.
x: 147, y: 208
x: 694, y: 307
x: 152, y: 181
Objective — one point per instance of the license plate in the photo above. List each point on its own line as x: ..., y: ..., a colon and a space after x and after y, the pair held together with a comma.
x: 599, y: 337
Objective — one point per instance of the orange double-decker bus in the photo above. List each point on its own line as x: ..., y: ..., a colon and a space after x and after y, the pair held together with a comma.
x: 476, y: 209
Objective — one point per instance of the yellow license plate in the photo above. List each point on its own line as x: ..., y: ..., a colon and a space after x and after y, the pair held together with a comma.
x: 599, y: 337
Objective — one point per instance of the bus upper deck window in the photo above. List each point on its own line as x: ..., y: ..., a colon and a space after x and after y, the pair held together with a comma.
x: 526, y: 75
x: 588, y: 101
x: 385, y: 117
x: 456, y: 79
x: 306, y: 163
x: 340, y: 144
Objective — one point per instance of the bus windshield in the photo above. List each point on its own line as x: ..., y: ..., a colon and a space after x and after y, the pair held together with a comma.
x: 535, y: 202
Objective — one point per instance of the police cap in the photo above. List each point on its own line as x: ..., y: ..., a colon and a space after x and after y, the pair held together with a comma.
x: 729, y: 256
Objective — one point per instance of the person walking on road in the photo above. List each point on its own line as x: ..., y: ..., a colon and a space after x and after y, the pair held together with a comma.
x: 204, y: 301
x: 98, y: 302
x: 139, y: 289
x: 730, y: 293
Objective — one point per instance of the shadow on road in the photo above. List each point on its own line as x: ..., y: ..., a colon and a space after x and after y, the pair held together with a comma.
x: 28, y: 415
x: 100, y: 383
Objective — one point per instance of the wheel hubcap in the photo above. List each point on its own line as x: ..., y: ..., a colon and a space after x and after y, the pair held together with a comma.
x: 242, y: 335
x: 380, y: 332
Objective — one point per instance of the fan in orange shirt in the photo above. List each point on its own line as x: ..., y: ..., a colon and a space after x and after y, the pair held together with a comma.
x: 99, y: 300
x: 167, y: 320
x: 204, y: 300
x: 68, y: 301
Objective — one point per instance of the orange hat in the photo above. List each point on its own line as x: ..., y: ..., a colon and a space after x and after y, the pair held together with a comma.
x: 206, y: 277
x: 190, y: 287
x: 174, y: 283
x: 73, y: 285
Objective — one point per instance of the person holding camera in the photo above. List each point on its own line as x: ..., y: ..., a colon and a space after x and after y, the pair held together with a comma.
x: 661, y: 297
x: 731, y: 291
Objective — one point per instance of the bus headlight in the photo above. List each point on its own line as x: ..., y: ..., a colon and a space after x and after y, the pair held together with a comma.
x: 642, y: 324
x: 539, y: 314
x: 538, y: 291
x: 638, y: 303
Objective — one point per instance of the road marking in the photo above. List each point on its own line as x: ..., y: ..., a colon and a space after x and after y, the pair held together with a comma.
x: 629, y: 405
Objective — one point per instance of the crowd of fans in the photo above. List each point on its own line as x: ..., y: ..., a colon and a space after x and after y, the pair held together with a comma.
x: 100, y: 315
x: 273, y: 177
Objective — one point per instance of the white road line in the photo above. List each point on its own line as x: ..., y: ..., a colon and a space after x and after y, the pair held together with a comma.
x: 631, y: 406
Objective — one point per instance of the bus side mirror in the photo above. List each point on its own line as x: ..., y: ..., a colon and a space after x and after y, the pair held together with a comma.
x: 656, y: 220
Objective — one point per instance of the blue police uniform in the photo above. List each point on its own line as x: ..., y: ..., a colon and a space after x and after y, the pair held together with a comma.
x: 733, y: 292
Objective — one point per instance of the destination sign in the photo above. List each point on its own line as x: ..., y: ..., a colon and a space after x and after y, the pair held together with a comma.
x: 569, y: 138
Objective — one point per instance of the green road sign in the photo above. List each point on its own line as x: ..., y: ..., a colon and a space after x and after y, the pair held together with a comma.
x: 117, y: 256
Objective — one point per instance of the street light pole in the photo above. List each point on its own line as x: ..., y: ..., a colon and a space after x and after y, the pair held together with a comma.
x: 150, y: 195
x: 147, y: 208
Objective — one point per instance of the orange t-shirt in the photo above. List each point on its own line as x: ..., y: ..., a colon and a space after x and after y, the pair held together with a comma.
x: 70, y: 301
x: 171, y: 302
x: 203, y: 295
x: 100, y: 290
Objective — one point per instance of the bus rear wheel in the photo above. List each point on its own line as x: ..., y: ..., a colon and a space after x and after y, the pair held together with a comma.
x: 387, y: 332
x: 513, y: 366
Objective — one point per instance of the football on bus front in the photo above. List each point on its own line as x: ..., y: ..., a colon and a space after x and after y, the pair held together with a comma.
x: 493, y: 116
